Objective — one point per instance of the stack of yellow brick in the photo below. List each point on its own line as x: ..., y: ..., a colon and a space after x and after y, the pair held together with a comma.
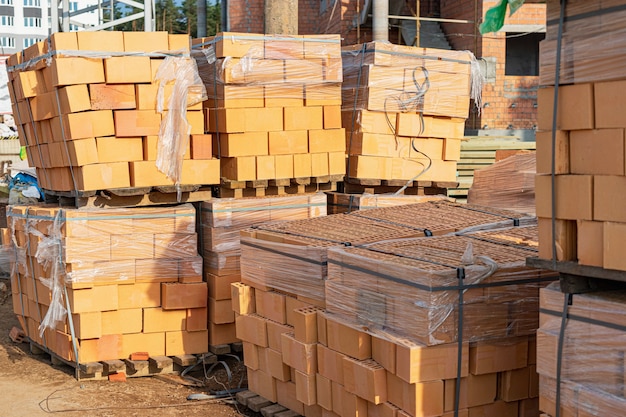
x: 404, y: 111
x: 375, y: 330
x: 130, y: 280
x: 590, y: 162
x: 222, y: 220
x: 86, y: 107
x: 274, y: 104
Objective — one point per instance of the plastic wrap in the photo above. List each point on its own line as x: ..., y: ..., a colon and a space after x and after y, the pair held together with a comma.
x: 298, y: 249
x: 592, y: 360
x: 509, y: 183
x: 188, y: 90
x: 92, y: 261
x: 427, y: 290
x: 592, y: 42
x: 236, y: 67
x: 274, y: 104
x: 347, y: 203
x: 442, y: 217
x: 396, y: 100
x: 224, y: 218
x: 393, y: 78
x: 89, y: 108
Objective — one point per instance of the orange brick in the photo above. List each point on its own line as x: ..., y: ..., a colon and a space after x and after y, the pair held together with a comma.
x: 221, y: 312
x: 182, y: 296
x: 196, y: 319
x: 136, y: 122
x: 119, y: 376
x: 112, y: 97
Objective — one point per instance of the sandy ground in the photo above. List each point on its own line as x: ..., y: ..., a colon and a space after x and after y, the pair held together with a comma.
x: 31, y: 386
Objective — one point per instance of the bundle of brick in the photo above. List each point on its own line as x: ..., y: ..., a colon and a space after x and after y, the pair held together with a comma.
x: 100, y: 284
x: 590, y: 166
x: 404, y: 110
x: 591, y: 378
x: 509, y: 183
x: 222, y: 220
x: 292, y: 256
x: 592, y: 42
x: 274, y: 104
x: 106, y: 110
x: 370, y: 352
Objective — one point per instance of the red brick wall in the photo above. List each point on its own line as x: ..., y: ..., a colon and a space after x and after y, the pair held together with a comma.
x: 512, y: 99
x: 462, y: 36
x: 246, y: 16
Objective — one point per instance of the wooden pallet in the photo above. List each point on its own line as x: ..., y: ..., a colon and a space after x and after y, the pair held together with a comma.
x: 378, y: 186
x: 262, y: 405
x: 130, y: 197
x: 576, y: 279
x: 479, y: 152
x: 224, y: 349
x: 261, y: 188
x: 155, y: 365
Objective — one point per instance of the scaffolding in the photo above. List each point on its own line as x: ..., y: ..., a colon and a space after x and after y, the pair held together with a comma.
x: 61, y: 17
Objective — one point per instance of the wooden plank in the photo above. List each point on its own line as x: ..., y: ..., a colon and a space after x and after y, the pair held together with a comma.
x: 257, y: 403
x: 185, y: 360
x: 160, y: 362
x: 112, y: 366
x: 136, y: 366
x: 242, y: 397
x: 208, y: 358
x: 573, y: 268
x: 219, y: 349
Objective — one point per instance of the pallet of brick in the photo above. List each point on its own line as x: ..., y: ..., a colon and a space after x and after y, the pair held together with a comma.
x: 347, y: 203
x: 411, y: 287
x: 404, y: 110
x: 589, y: 175
x: 98, y: 285
x: 110, y: 110
x: 589, y: 170
x: 482, y: 152
x: 292, y: 256
x: 222, y: 220
x: 592, y: 362
x: 274, y: 109
x: 336, y: 366
x: 592, y: 42
x: 509, y: 183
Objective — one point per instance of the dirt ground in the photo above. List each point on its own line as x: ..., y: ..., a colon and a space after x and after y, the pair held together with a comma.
x: 31, y: 386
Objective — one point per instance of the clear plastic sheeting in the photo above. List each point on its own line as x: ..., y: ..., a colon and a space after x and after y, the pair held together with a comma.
x: 391, y: 78
x: 224, y: 218
x: 187, y: 90
x: 252, y: 67
x: 593, y: 41
x: 431, y: 289
x: 509, y: 183
x: 107, y: 110
x: 298, y: 249
x: 592, y: 358
x: 64, y: 249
